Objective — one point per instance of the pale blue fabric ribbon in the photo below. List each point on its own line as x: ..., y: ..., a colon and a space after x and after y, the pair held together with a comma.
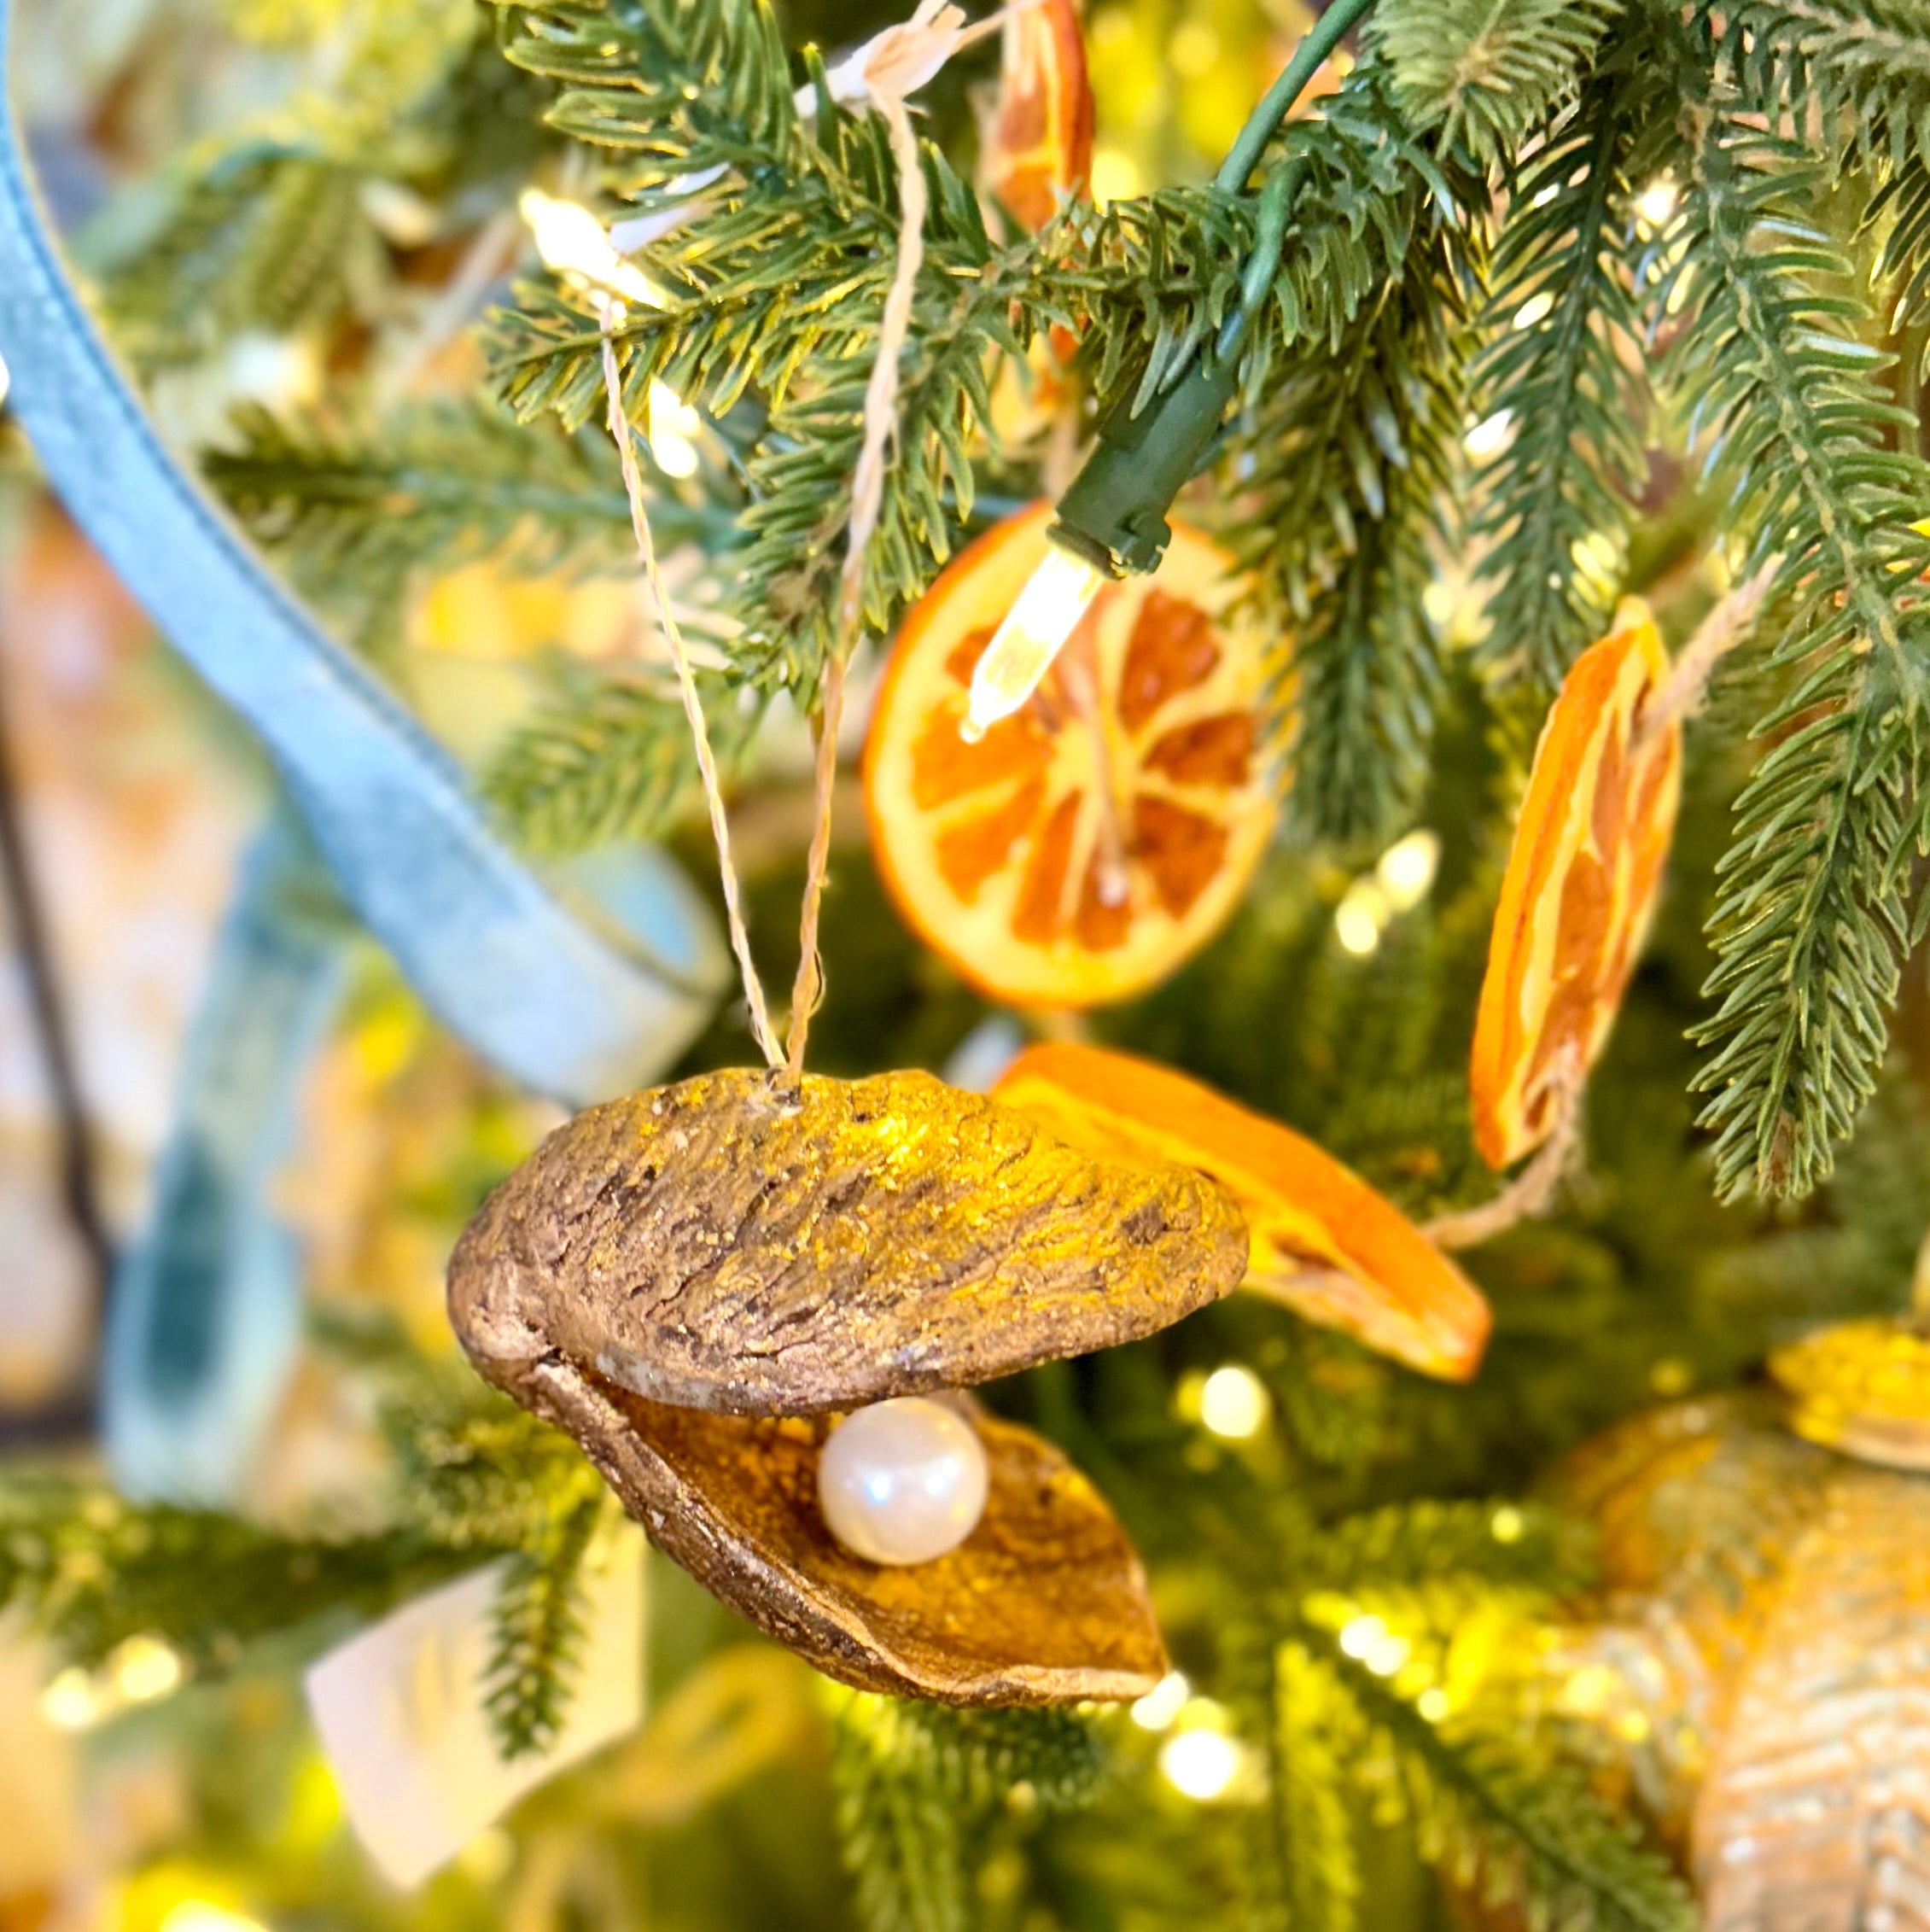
x: 205, y: 1312
x: 578, y: 992
x: 561, y: 999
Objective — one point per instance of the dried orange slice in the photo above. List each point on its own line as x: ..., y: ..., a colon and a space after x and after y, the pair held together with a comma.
x: 1323, y: 1241
x: 1038, y: 146
x: 1580, y: 888
x: 1087, y: 845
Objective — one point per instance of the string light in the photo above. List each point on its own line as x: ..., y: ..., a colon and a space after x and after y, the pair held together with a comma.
x: 1657, y: 201
x: 71, y: 1702
x: 1233, y: 1403
x: 203, y: 1915
x: 143, y: 1669
x: 1156, y: 1710
x: 1490, y: 436
x: 572, y: 242
x: 1057, y: 595
x: 1359, y: 917
x: 1536, y: 308
x: 1199, y: 1765
x: 1407, y: 869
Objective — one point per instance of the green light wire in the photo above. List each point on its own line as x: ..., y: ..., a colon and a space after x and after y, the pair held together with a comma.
x: 1114, y: 514
x: 1324, y: 35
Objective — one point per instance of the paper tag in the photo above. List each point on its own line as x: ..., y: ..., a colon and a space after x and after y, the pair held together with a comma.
x: 399, y: 1710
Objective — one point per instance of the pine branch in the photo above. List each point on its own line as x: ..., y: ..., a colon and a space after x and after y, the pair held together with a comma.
x: 1409, y: 1545
x: 1560, y: 490
x: 266, y: 238
x: 1312, y: 1751
x: 1353, y: 460
x: 1508, y: 1818
x: 539, y: 1631
x: 1863, y: 66
x: 1901, y: 209
x: 1485, y: 74
x: 436, y: 485
x: 978, y: 1756
x: 614, y: 764
x: 92, y: 1570
x: 1810, y: 917
x: 898, y: 1823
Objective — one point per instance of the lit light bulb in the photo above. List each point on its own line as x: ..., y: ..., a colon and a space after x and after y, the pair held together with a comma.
x: 1535, y: 309
x: 573, y: 242
x: 1407, y: 868
x: 1657, y: 201
x: 1199, y: 1765
x: 1233, y: 1403
x: 1057, y: 595
x: 73, y: 1701
x: 1156, y: 1710
x: 203, y: 1915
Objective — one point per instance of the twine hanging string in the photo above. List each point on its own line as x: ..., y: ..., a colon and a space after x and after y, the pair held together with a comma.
x: 761, y: 1025
x: 1533, y: 1192
x: 882, y: 73
x: 1718, y: 634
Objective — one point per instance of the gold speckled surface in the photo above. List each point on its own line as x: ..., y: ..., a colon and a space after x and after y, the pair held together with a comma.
x: 1762, y: 1665
x: 1863, y: 1387
x: 723, y: 1244
x: 1044, y: 1602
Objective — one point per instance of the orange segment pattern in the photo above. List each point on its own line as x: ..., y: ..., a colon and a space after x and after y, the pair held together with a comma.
x: 1324, y: 1241
x: 1580, y: 890
x: 1039, y: 146
x: 1086, y: 845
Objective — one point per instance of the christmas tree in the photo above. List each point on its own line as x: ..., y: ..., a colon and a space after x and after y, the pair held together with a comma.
x: 1108, y: 824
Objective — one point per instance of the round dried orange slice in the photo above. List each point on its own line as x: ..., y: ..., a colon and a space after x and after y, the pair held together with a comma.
x: 1087, y: 845
x: 1323, y: 1241
x: 1582, y: 875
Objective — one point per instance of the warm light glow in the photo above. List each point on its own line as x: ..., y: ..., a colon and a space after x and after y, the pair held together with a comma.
x: 1506, y: 1524
x: 1194, y: 50
x: 72, y: 1702
x: 1490, y: 436
x: 201, y: 1915
x: 1432, y: 1704
x: 144, y: 1668
x: 673, y: 425
x: 1057, y: 595
x: 1657, y: 201
x: 1115, y: 176
x: 573, y: 242
x: 1536, y: 308
x: 1199, y: 1764
x: 1360, y: 1634
x: 1407, y: 869
x: 1360, y: 917
x: 1163, y: 1703
x: 1233, y: 1403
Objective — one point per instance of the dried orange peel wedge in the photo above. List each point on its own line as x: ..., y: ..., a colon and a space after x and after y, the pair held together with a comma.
x: 1323, y: 1241
x: 1038, y: 144
x: 1580, y: 889
x: 1086, y: 845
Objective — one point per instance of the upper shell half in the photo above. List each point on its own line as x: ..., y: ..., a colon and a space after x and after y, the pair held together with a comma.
x: 725, y: 1244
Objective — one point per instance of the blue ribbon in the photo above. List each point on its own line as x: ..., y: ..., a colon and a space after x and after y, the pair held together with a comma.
x: 563, y: 1002
x: 206, y: 1313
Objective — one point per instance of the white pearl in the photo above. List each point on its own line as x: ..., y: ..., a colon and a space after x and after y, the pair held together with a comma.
x: 902, y: 1481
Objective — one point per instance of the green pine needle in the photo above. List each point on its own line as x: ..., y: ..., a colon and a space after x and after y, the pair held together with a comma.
x: 1811, y: 917
x: 1486, y: 73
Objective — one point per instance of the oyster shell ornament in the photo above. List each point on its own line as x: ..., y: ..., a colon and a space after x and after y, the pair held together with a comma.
x: 1762, y: 1675
x: 697, y: 1281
